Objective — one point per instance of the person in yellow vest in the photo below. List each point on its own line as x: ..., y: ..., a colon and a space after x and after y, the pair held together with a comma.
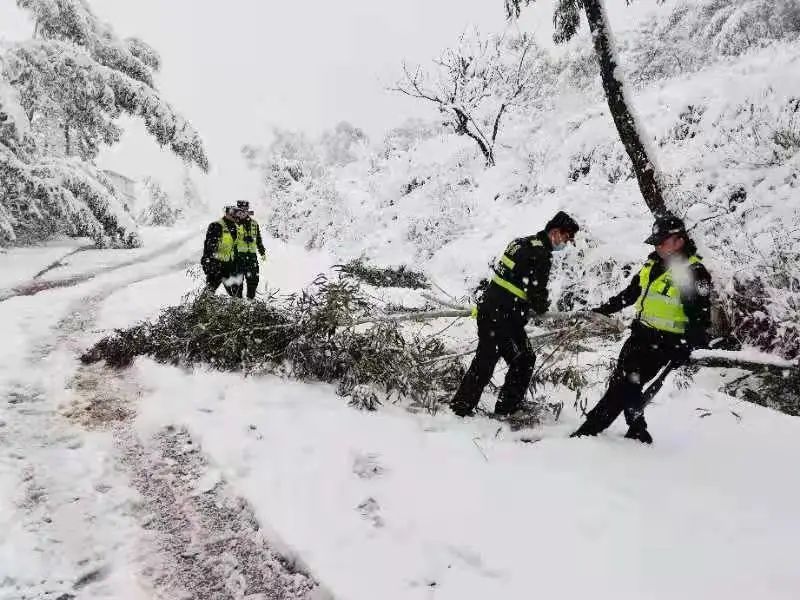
x: 517, y: 290
x: 249, y: 247
x: 219, y: 254
x: 672, y: 294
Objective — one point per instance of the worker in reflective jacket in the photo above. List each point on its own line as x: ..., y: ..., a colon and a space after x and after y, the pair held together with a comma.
x: 249, y: 248
x: 672, y: 295
x: 517, y: 288
x: 219, y: 254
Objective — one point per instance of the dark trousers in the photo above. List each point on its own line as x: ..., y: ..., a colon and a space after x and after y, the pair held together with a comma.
x: 499, y: 335
x: 247, y: 269
x: 643, y: 355
x: 222, y: 273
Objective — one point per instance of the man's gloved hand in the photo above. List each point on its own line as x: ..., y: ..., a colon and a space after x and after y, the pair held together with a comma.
x: 682, y: 353
x: 698, y: 339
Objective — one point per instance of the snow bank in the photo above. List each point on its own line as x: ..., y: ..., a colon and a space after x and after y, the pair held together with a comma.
x: 397, y: 507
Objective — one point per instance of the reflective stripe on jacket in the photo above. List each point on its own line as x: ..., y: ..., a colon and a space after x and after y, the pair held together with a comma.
x: 507, y: 276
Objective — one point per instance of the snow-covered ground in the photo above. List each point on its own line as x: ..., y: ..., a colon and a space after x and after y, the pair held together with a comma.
x: 19, y: 265
x: 168, y: 483
x: 401, y: 507
x: 114, y: 483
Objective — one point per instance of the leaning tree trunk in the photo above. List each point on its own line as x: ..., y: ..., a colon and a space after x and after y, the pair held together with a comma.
x: 625, y: 121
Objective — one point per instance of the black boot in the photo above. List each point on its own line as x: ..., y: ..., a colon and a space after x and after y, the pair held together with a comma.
x: 461, y: 409
x: 639, y: 433
x: 587, y: 428
x: 503, y: 408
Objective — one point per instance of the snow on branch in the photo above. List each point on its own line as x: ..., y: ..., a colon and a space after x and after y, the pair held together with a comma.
x: 59, y: 197
x: 73, y: 21
x: 477, y: 83
x: 58, y: 77
x: 144, y: 52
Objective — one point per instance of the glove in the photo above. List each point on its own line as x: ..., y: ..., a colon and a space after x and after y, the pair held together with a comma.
x: 474, y: 312
x: 682, y: 353
x: 697, y: 339
x: 263, y: 258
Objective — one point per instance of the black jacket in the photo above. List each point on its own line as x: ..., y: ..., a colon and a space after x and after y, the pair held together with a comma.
x: 533, y: 259
x: 696, y: 300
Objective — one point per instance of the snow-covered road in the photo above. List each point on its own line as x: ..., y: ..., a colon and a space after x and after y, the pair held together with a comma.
x: 87, y: 509
x: 158, y: 482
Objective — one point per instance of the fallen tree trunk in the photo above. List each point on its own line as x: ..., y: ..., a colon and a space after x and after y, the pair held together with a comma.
x: 417, y: 316
x: 741, y: 359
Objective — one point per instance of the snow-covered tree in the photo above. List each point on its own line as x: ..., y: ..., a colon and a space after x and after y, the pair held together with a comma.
x: 477, y: 83
x: 290, y: 158
x: 698, y: 33
x: 160, y: 211
x: 63, y: 89
x: 193, y: 200
x: 68, y: 87
x: 340, y: 145
x: 41, y: 196
x: 566, y: 19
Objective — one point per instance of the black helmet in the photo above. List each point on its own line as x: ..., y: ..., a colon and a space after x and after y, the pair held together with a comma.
x: 244, y: 206
x: 563, y: 221
x: 664, y: 227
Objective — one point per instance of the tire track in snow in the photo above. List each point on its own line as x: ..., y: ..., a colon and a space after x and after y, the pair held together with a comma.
x: 210, y: 543
x: 37, y: 285
x: 72, y: 501
x: 191, y: 542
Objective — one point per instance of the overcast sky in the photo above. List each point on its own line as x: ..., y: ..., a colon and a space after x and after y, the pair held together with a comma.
x: 236, y: 68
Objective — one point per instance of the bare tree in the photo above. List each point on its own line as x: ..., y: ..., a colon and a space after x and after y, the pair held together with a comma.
x: 476, y: 84
x: 566, y: 19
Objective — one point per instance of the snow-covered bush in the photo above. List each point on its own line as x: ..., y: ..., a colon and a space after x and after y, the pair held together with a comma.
x: 301, y: 200
x: 697, y: 33
x: 401, y: 276
x: 342, y: 145
x: 401, y: 139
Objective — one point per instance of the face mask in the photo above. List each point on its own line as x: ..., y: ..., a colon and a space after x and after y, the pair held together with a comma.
x: 559, y: 247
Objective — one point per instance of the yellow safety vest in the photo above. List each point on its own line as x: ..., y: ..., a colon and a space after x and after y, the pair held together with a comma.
x: 659, y: 305
x: 226, y: 245
x: 242, y: 232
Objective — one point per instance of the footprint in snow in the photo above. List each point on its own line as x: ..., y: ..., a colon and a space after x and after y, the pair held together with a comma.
x: 367, y: 466
x: 370, y: 510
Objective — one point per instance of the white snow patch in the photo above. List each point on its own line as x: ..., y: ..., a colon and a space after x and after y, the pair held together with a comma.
x: 462, y: 510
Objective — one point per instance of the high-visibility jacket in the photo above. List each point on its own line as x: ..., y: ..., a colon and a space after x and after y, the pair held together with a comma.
x: 659, y: 305
x: 522, y: 272
x: 246, y: 237
x: 226, y: 246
